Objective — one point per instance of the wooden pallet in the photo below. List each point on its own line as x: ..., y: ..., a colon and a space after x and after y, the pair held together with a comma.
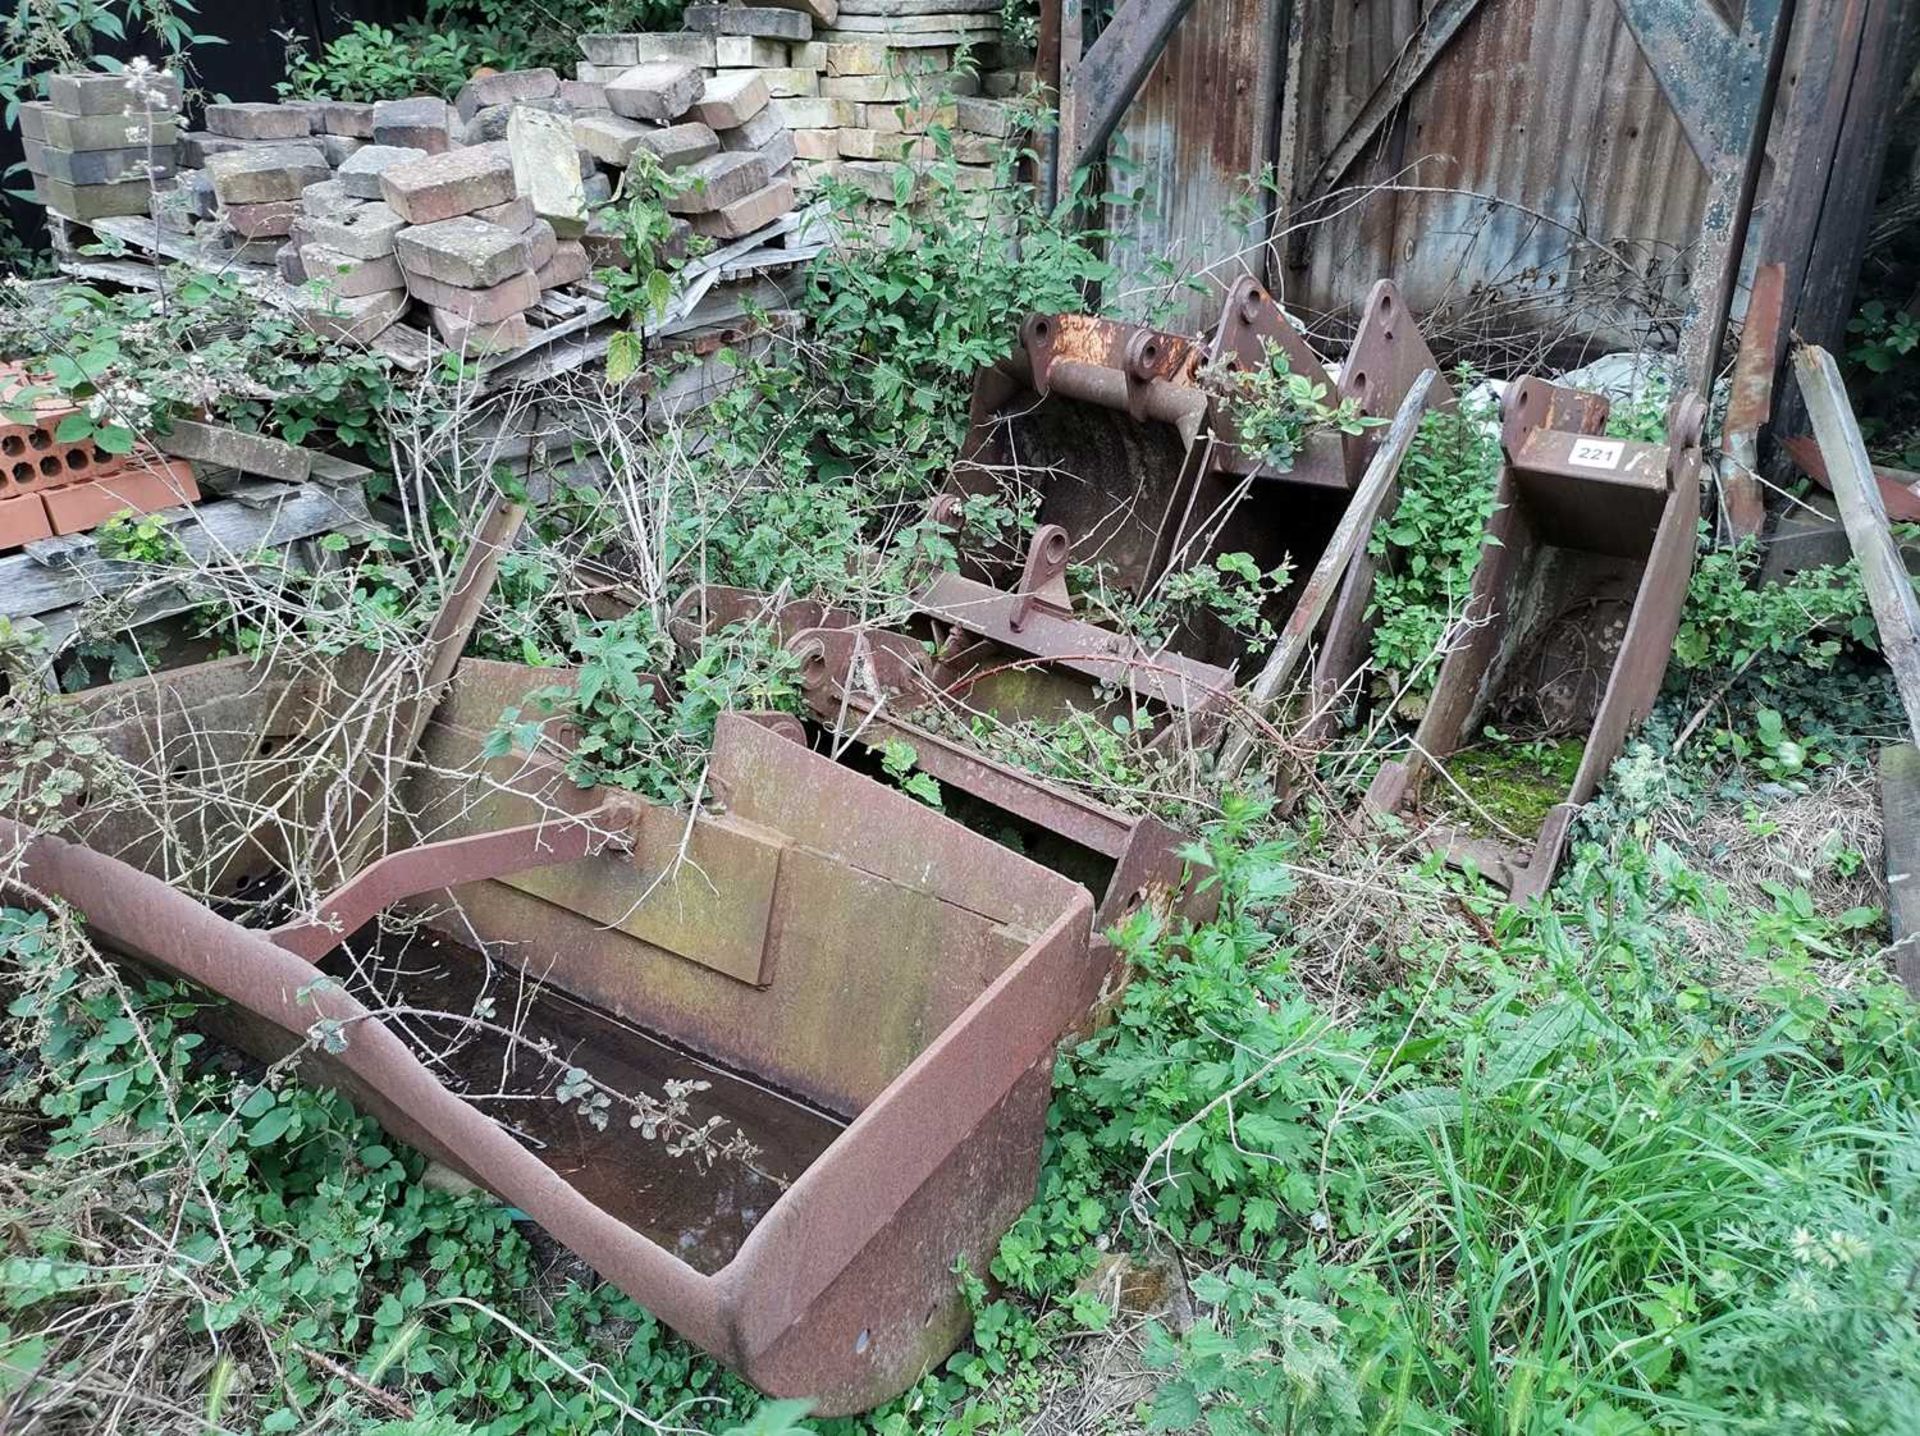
x: 572, y: 325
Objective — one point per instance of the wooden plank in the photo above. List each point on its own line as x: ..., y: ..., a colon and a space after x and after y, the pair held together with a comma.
x: 1900, y: 838
x: 1349, y: 537
x: 1889, y: 588
x: 209, y: 532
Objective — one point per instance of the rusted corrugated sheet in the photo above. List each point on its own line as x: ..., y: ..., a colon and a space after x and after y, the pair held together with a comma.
x: 1536, y: 161
x: 1194, y: 144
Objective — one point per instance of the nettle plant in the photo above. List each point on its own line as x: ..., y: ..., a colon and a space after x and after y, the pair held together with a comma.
x: 641, y: 291
x: 1276, y: 410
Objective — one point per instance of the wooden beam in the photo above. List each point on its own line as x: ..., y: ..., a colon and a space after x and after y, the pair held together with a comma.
x: 1889, y: 587
x: 1110, y: 75
x: 1349, y: 537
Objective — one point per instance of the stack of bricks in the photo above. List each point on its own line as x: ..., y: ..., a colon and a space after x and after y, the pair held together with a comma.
x: 857, y: 85
x: 471, y: 246
x: 99, y: 145
x: 50, y: 487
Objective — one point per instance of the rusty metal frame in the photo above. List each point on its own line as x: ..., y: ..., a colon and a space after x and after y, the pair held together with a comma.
x: 844, y: 1291
x: 1584, y: 493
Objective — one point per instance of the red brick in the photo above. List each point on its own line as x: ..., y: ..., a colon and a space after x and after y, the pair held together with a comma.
x: 143, y: 485
x: 23, y: 518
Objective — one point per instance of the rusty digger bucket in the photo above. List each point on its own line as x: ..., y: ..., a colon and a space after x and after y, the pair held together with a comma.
x: 820, y: 1016
x: 1571, y: 618
x: 1139, y: 469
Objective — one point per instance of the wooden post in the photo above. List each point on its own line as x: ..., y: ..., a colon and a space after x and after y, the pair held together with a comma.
x: 1889, y: 589
x: 1348, y: 539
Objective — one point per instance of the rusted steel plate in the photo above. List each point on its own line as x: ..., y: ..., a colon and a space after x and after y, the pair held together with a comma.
x: 1575, y: 602
x: 1899, y: 488
x: 938, y: 1041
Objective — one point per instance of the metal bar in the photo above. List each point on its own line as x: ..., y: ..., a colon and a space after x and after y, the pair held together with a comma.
x: 1889, y: 588
x: 1742, y: 506
x: 1111, y: 73
x: 1703, y: 67
x: 434, y: 866
x: 1355, y: 524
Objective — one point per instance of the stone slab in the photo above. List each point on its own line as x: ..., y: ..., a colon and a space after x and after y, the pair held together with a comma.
x: 265, y: 173
x: 789, y: 83
x: 231, y: 448
x: 496, y: 302
x: 813, y: 114
x: 421, y: 123
x: 754, y: 134
x: 272, y: 220
x: 747, y: 214
x: 101, y: 94
x: 440, y: 186
x: 255, y: 120
x: 609, y: 138
x: 347, y: 275
x: 338, y: 149
x: 749, y: 52
x: 601, y: 49
x: 763, y: 21
x: 465, y: 337
x: 93, y: 201
x: 662, y: 91
x: 505, y: 87
x: 40, y: 121
x: 731, y: 98
x: 97, y: 166
x: 351, y: 119
x: 368, y: 231
x: 463, y: 251
x: 678, y: 146
x: 567, y: 265
x: 718, y: 181
x: 360, y: 172
x: 516, y: 214
x: 546, y: 167
x: 352, y: 321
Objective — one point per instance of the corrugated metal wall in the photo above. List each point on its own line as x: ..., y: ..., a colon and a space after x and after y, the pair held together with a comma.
x: 1534, y: 166
x: 1194, y: 146
x: 1533, y: 173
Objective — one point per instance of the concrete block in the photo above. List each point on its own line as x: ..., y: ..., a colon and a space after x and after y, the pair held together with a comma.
x: 236, y: 449
x: 986, y: 117
x: 40, y: 121
x: 97, y: 166
x: 546, y: 167
x: 678, y: 146
x: 254, y: 120
x: 271, y: 220
x: 422, y: 123
x: 541, y: 244
x: 873, y: 58
x: 478, y: 306
x: 763, y: 21
x: 662, y: 91
x: 590, y: 74
x: 748, y: 52
x: 93, y: 201
x: 778, y: 152
x: 465, y: 337
x: 787, y: 84
x: 718, y: 181
x: 352, y: 321
x: 286, y: 260
x: 743, y: 216
x: 908, y: 119
x: 906, y: 39
x: 583, y: 97
x: 507, y: 87
x: 754, y: 134
x: 327, y: 199
x: 567, y: 265
x: 621, y: 50
x: 816, y: 144
x: 810, y: 56
x: 973, y: 149
x: 351, y: 119
x: 368, y: 231
x: 686, y: 47
x: 464, y: 251
x: 122, y: 94
x: 609, y: 138
x: 821, y: 12
x: 265, y: 173
x: 813, y: 114
x: 195, y: 147
x: 340, y: 148
x: 880, y: 145
x: 360, y: 172
x: 440, y: 186
x: 871, y: 89
x: 348, y: 276
x: 516, y: 214
x: 731, y: 99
